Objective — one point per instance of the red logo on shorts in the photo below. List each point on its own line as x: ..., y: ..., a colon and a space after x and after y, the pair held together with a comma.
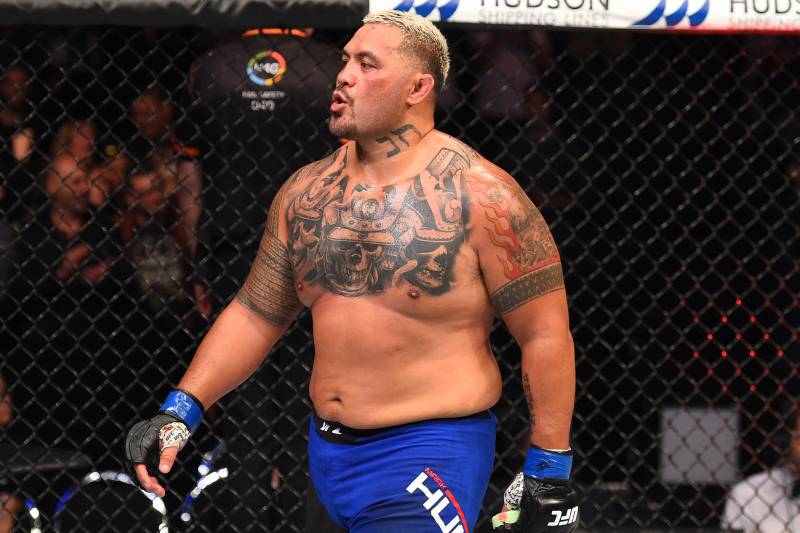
x: 438, y: 501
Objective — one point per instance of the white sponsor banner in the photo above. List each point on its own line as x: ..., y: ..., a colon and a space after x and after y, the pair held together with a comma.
x: 681, y: 15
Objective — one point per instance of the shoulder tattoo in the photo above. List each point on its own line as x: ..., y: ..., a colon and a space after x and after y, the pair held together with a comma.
x: 525, y: 248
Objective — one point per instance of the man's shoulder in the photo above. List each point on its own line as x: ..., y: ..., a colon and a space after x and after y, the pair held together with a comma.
x: 330, y: 163
x: 477, y: 168
x: 448, y: 142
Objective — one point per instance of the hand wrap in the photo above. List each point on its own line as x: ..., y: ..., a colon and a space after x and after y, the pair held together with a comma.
x: 177, y: 419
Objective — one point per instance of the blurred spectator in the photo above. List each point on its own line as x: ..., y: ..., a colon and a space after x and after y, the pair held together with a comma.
x: 18, y: 135
x: 508, y: 96
x: 76, y: 140
x: 61, y: 288
x: 10, y: 506
x: 769, y: 502
x: 512, y: 63
x: 155, y: 149
x: 157, y: 241
x: 14, y: 92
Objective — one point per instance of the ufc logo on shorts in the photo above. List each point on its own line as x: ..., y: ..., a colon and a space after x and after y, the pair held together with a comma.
x: 562, y: 519
x: 438, y: 501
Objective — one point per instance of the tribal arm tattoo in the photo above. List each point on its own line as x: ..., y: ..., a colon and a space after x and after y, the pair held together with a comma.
x: 398, y: 135
x: 269, y: 289
x: 523, y: 261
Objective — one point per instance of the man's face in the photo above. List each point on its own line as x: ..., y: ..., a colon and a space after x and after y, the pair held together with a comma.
x: 14, y: 87
x: 151, y: 115
x: 145, y: 193
x: 70, y: 191
x: 371, y: 88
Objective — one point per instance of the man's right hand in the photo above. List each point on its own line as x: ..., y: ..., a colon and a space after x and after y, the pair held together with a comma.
x: 151, y: 447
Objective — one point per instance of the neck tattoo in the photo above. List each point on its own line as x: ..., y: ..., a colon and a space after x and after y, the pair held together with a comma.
x: 398, y: 135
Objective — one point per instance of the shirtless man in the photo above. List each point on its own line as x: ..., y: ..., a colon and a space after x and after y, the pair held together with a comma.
x: 404, y: 243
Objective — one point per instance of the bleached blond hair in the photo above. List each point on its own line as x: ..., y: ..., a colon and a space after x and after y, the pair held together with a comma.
x: 421, y: 39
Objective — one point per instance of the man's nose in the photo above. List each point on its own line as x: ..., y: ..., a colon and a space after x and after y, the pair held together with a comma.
x: 345, y: 77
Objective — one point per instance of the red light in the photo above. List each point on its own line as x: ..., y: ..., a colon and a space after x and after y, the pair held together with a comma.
x: 780, y: 353
x: 724, y: 319
x: 738, y: 370
x: 724, y: 388
x: 752, y: 353
x: 695, y: 355
x: 780, y: 387
x: 752, y: 318
x: 738, y: 301
x: 738, y: 336
x: 709, y: 371
x: 724, y: 353
x: 710, y: 336
x: 752, y: 388
x: 766, y: 335
x: 696, y: 319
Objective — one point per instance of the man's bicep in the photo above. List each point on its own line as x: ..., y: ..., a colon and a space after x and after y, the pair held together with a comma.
x: 269, y: 289
x: 518, y: 257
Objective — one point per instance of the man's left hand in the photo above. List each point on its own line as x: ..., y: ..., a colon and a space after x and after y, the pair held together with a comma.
x: 538, y: 506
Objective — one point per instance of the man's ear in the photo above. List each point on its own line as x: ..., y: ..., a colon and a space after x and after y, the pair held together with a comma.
x: 423, y: 85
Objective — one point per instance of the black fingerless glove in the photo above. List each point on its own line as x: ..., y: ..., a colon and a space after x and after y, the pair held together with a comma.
x: 142, y: 444
x: 178, y: 418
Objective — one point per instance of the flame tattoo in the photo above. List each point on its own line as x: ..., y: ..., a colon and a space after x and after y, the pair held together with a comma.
x: 528, y: 254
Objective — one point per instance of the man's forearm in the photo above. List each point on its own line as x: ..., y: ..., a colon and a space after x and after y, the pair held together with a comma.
x: 232, y: 350
x: 548, y: 378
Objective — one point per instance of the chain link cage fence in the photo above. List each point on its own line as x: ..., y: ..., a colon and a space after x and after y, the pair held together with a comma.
x: 137, y: 166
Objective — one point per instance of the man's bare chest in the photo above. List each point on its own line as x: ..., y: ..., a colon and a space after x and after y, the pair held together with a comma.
x: 354, y: 238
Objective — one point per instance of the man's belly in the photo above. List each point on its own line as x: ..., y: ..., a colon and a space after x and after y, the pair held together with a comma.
x: 386, y: 369
x: 374, y: 399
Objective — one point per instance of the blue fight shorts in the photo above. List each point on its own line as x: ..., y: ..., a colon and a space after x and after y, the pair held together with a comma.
x: 423, y: 477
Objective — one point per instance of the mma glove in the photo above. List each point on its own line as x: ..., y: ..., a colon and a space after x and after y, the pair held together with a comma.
x: 176, y: 421
x: 540, y: 499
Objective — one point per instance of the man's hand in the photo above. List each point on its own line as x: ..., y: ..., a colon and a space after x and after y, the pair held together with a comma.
x: 538, y: 506
x: 151, y: 447
x: 202, y: 300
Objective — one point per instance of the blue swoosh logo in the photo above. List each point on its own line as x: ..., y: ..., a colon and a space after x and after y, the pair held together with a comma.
x: 447, y: 10
x: 675, y: 18
x: 697, y: 18
x: 678, y: 15
x: 426, y: 8
x: 405, y: 5
x: 423, y: 10
x: 654, y: 15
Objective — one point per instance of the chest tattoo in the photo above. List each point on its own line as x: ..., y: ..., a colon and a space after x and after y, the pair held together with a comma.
x: 358, y: 238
